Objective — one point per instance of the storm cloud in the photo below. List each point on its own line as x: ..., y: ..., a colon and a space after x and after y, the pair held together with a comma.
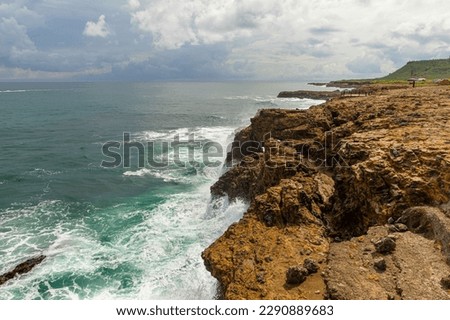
x: 210, y: 39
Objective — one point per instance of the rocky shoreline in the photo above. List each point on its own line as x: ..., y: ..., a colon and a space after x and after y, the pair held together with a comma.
x: 348, y: 200
x: 307, y: 94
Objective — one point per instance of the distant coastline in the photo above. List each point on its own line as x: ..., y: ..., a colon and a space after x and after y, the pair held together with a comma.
x: 342, y: 83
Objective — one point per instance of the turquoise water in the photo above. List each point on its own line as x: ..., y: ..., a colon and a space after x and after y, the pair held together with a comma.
x: 116, y: 233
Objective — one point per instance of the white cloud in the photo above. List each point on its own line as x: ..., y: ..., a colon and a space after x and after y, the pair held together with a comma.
x: 290, y: 38
x: 170, y: 28
x: 283, y: 39
x: 174, y: 23
x: 97, y: 29
x: 134, y: 4
x: 21, y: 13
x: 14, y: 40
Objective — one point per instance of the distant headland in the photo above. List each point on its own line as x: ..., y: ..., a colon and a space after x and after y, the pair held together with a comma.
x: 428, y: 71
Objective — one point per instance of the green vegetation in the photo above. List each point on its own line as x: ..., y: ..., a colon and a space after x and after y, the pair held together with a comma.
x: 430, y: 69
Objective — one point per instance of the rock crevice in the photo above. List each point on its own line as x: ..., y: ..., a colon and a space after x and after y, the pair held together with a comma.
x: 321, y: 181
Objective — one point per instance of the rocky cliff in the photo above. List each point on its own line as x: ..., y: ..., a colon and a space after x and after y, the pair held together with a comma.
x: 348, y: 200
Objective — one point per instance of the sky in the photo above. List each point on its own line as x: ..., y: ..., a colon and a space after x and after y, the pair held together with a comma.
x: 145, y: 40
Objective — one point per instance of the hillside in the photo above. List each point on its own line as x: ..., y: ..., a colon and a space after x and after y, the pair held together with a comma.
x: 430, y: 69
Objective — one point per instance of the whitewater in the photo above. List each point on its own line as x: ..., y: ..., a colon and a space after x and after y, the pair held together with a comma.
x: 117, y: 233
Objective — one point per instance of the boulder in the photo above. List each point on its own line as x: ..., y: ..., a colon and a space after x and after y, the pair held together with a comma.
x: 385, y: 245
x: 296, y: 275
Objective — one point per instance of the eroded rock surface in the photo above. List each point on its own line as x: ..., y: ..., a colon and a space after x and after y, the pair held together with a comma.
x: 330, y: 178
x: 413, y: 271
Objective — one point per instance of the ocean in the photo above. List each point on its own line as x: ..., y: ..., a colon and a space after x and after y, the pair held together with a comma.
x: 120, y: 232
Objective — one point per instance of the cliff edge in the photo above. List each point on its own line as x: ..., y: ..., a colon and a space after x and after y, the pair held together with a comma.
x: 348, y: 200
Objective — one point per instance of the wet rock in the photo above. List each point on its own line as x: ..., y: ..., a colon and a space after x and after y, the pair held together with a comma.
x: 296, y: 275
x: 22, y: 268
x: 385, y: 245
x: 380, y: 264
x: 311, y: 265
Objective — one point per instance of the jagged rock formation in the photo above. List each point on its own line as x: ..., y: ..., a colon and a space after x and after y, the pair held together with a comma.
x: 21, y: 268
x: 323, y: 183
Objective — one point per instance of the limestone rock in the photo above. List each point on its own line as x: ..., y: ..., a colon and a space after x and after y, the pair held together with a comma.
x: 400, y: 227
x: 445, y: 282
x: 341, y: 170
x: 296, y: 275
x: 385, y: 245
x: 413, y: 271
x: 311, y: 265
x: 380, y: 264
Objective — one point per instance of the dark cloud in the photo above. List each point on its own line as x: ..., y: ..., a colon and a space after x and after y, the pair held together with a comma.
x: 189, y: 62
x: 323, y: 30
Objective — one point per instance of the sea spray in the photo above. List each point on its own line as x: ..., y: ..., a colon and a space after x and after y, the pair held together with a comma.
x: 119, y: 233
